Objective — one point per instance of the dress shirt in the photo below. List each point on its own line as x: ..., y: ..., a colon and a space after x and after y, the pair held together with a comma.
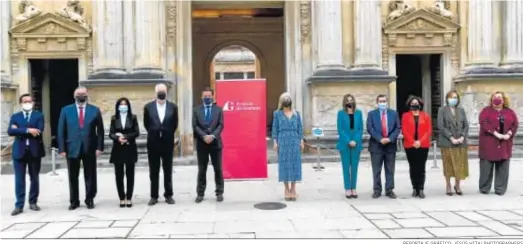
x: 161, y: 110
x: 123, y: 118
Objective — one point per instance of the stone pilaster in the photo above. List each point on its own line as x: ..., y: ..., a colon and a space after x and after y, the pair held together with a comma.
x: 108, y: 34
x: 368, y: 36
x: 5, y: 24
x: 481, y: 48
x: 148, y: 39
x: 128, y: 34
x: 513, y: 36
x: 328, y: 32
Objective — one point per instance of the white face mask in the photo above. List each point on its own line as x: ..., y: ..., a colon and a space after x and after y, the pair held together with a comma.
x: 27, y: 106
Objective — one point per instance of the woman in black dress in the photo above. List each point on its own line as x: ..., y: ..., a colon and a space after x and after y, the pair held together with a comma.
x: 123, y: 132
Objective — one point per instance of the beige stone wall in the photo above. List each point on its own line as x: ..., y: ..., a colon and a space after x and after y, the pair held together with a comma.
x: 327, y: 99
x: 105, y: 97
x: 476, y: 95
x: 9, y: 103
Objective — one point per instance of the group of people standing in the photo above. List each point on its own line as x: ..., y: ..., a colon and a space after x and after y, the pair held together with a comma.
x: 80, y: 139
x: 498, y: 126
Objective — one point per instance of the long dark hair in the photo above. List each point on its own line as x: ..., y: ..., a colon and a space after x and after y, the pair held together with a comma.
x: 117, y: 112
x: 345, y: 100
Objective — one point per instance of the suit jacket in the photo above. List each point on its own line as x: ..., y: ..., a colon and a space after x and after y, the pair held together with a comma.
x: 201, y: 128
x: 375, y: 131
x: 36, y: 145
x: 408, y: 128
x: 345, y: 134
x: 72, y: 139
x: 157, y: 131
x: 450, y: 125
x: 127, y: 152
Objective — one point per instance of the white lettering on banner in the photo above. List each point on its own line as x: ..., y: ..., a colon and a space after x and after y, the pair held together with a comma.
x: 240, y: 106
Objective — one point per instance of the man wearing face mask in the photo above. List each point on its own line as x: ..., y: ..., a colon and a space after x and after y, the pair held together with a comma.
x: 207, y: 123
x: 383, y: 126
x: 160, y: 119
x: 27, y: 127
x: 81, y: 138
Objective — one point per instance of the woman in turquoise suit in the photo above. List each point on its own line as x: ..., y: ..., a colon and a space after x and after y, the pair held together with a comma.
x: 350, y: 143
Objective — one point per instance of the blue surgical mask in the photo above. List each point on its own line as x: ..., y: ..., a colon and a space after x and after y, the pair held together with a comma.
x: 382, y: 106
x: 207, y: 100
x: 453, y: 101
x: 123, y: 108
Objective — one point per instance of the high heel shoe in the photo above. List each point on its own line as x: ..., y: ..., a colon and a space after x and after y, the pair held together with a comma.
x: 459, y: 193
x: 129, y: 203
x: 287, y: 195
x: 122, y: 204
x: 293, y: 197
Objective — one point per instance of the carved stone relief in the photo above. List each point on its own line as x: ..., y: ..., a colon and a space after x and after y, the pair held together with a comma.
x: 305, y: 18
x: 170, y: 10
x: 398, y: 8
x: 73, y: 11
x: 441, y: 8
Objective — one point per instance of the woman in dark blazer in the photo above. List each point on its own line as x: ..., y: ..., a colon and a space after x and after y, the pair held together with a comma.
x: 123, y: 132
x: 453, y: 129
x: 416, y: 128
x: 350, y: 143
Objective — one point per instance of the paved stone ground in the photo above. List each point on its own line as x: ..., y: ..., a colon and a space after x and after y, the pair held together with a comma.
x: 320, y: 212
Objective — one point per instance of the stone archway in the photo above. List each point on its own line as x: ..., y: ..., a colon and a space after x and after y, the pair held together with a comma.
x: 263, y: 36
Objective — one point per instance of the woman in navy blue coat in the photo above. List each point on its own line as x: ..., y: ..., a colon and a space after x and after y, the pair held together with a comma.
x: 350, y: 143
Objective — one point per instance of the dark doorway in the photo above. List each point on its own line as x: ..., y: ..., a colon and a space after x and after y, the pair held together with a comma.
x: 59, y: 77
x: 419, y: 75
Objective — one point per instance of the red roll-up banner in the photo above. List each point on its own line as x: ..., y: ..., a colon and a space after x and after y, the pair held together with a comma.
x: 244, y: 134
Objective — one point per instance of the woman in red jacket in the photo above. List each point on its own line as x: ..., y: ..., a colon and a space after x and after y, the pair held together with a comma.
x: 416, y: 128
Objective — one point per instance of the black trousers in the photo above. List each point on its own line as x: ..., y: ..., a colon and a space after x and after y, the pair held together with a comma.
x: 203, y: 153
x: 31, y: 165
x: 417, y: 158
x: 381, y: 160
x: 73, y: 168
x: 119, y: 169
x: 161, y: 156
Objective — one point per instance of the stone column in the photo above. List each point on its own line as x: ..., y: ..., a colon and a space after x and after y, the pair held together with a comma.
x: 5, y: 23
x: 327, y: 16
x: 481, y: 49
x: 148, y: 40
x: 108, y: 28
x: 513, y: 28
x: 368, y: 34
x: 128, y: 34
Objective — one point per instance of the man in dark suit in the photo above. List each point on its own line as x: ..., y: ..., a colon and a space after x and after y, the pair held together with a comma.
x: 27, y: 127
x: 384, y: 127
x: 207, y: 123
x: 160, y: 119
x: 81, y: 138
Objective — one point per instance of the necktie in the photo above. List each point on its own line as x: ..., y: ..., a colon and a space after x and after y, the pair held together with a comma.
x: 81, y: 117
x: 207, y: 114
x: 384, y: 131
x: 27, y: 117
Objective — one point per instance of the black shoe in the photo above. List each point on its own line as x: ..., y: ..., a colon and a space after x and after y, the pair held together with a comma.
x: 459, y: 193
x: 421, y: 194
x: 499, y: 193
x: 89, y: 204
x: 34, y: 207
x: 355, y: 196
x: 153, y: 201
x: 169, y: 200
x: 17, y: 211
x: 199, y: 199
x: 122, y: 203
x: 74, y: 206
x: 376, y: 195
x: 415, y: 193
x: 484, y: 192
x: 391, y: 195
x: 129, y: 204
x: 219, y: 198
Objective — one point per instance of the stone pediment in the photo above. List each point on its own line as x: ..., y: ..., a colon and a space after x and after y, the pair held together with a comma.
x: 421, y: 21
x: 49, y: 25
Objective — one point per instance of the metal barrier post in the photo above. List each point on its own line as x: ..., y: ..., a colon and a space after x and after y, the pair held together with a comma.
x: 434, y: 157
x: 53, y: 161
x: 318, y: 166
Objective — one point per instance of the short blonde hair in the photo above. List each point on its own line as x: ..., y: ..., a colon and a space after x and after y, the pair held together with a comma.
x: 284, y: 96
x: 506, y: 100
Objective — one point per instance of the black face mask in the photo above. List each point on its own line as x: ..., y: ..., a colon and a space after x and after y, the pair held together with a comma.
x: 81, y: 98
x: 287, y: 104
x: 349, y: 105
x: 415, y: 107
x: 161, y: 95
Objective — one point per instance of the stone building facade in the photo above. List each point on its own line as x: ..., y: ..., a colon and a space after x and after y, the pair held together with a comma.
x: 316, y: 50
